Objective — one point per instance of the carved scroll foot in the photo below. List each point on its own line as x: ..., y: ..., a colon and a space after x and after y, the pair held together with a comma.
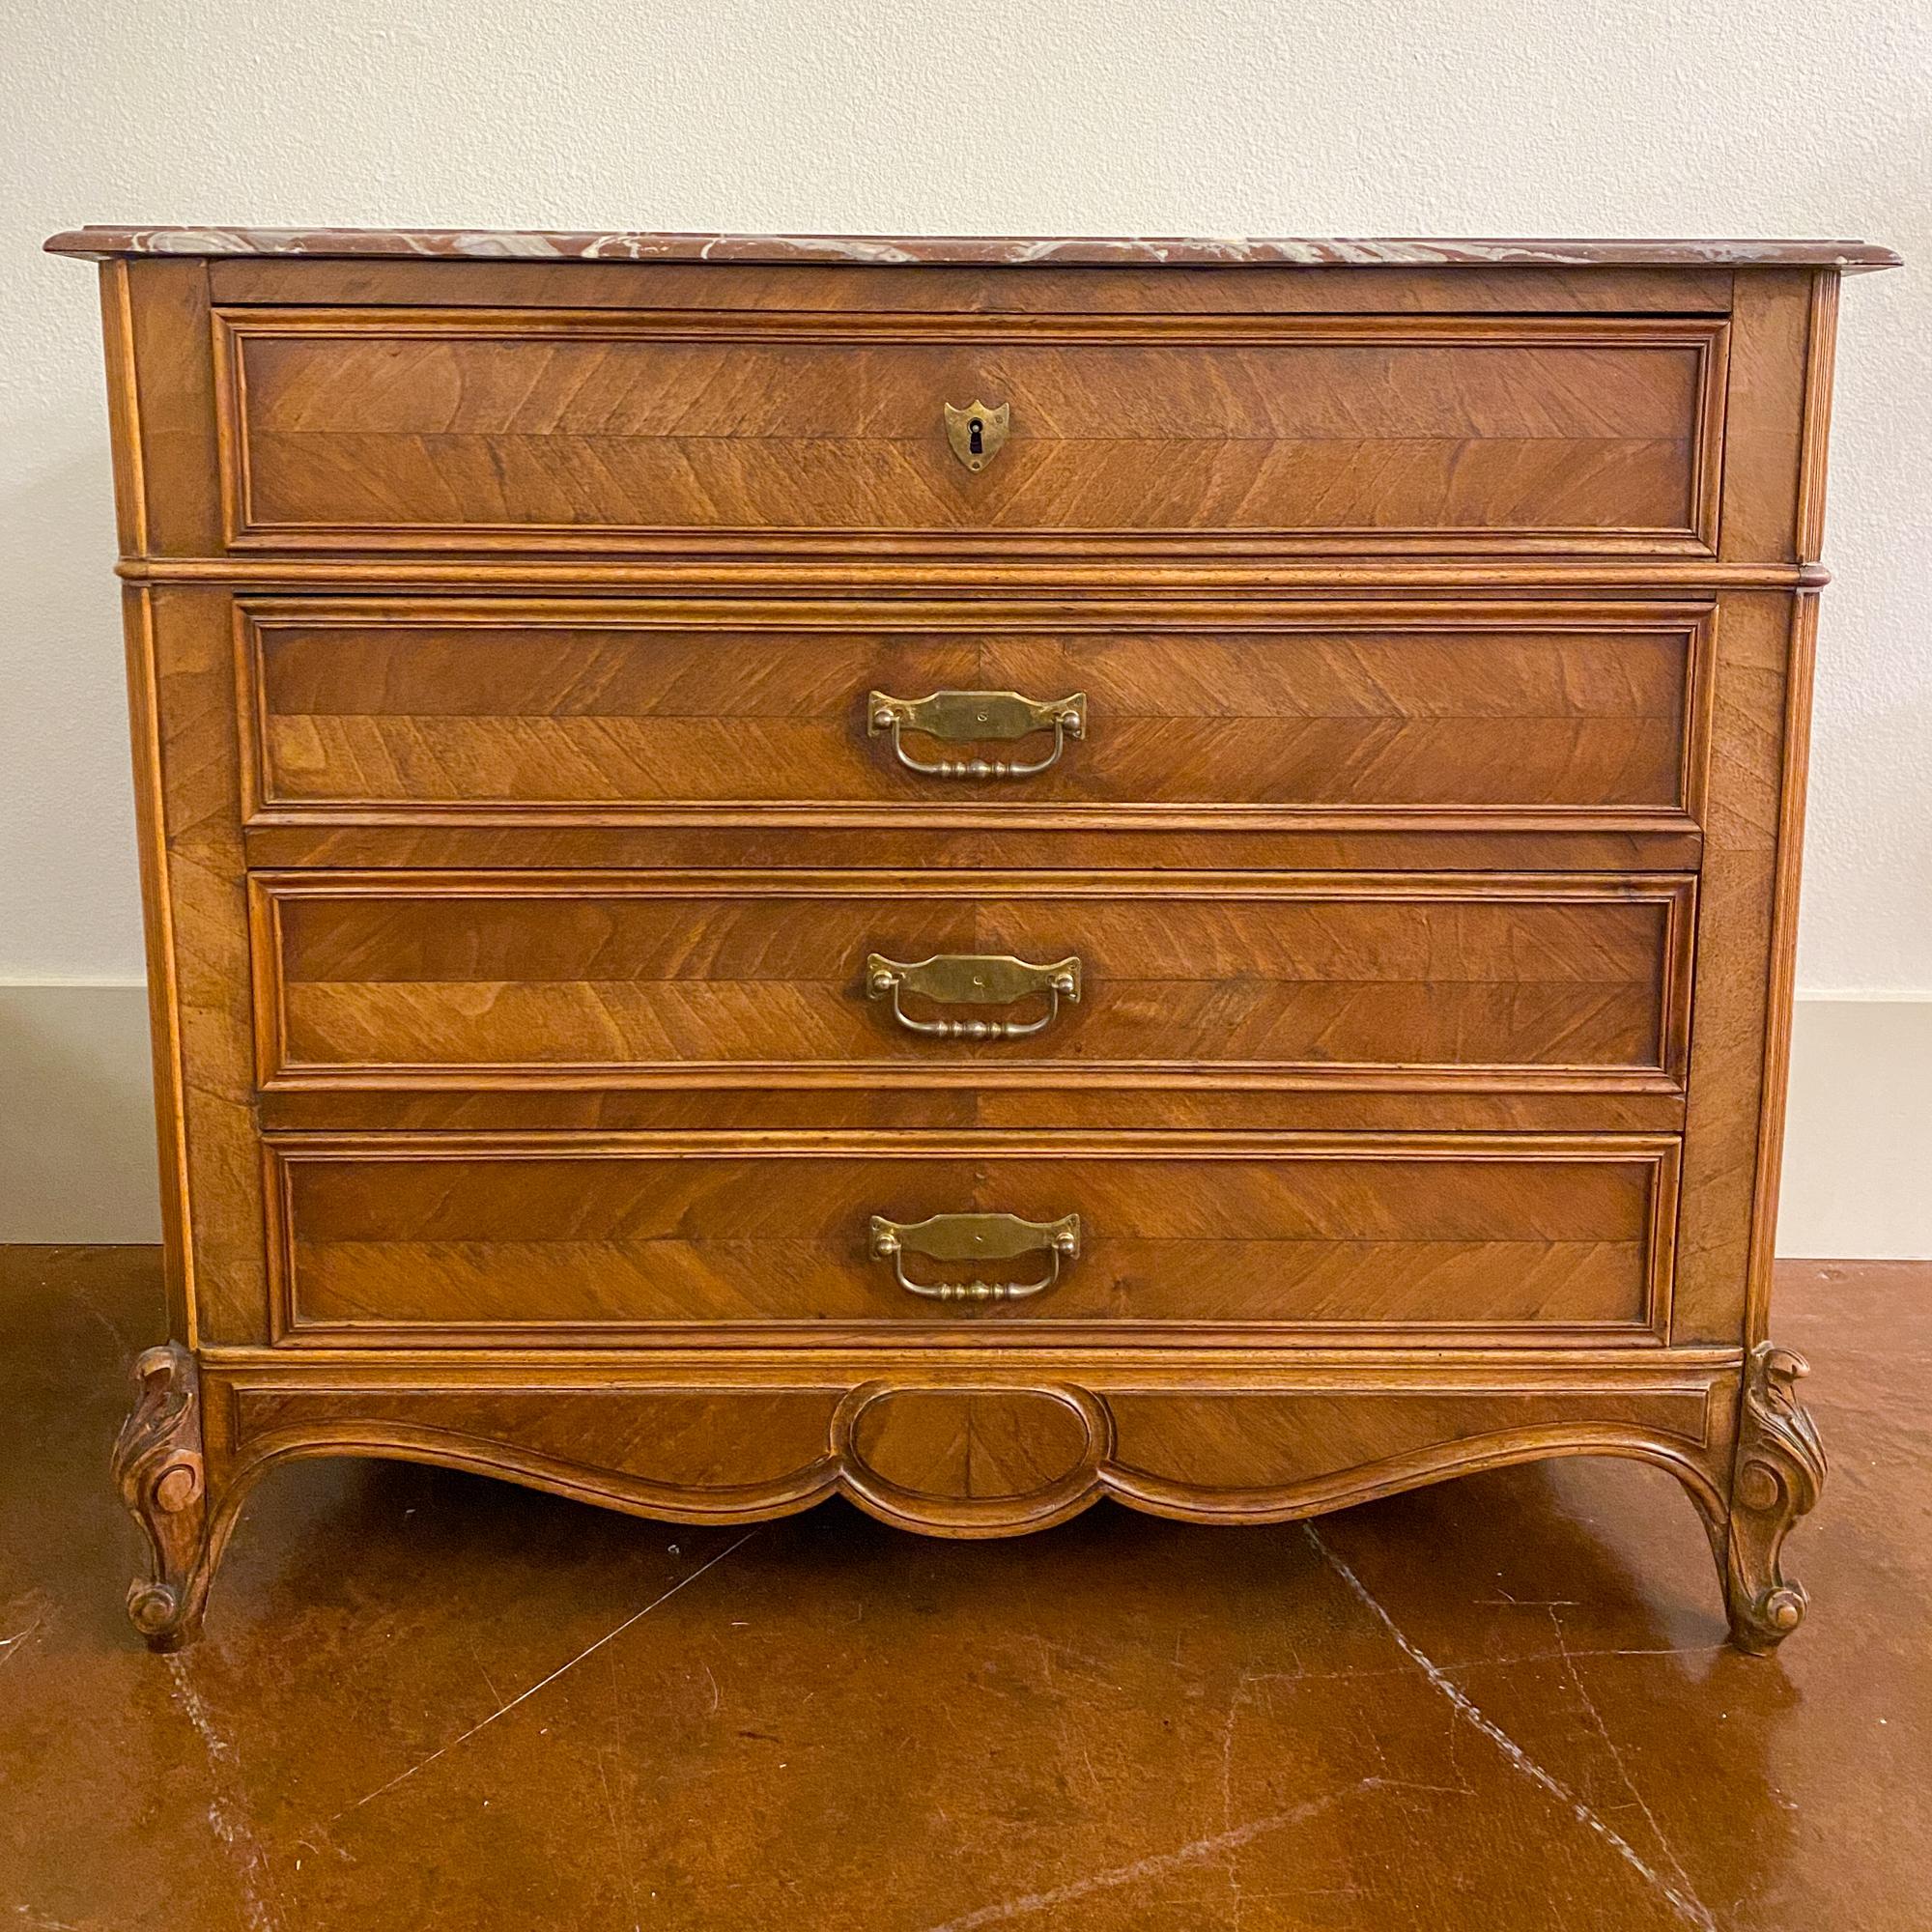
x: 1778, y: 1472
x: 158, y: 1463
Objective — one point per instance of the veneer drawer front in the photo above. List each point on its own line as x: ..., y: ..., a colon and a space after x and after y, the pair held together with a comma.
x: 1512, y: 1238
x: 1475, y: 712
x: 393, y: 428
x: 496, y: 979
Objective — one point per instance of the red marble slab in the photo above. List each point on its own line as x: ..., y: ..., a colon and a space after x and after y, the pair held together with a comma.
x: 984, y: 250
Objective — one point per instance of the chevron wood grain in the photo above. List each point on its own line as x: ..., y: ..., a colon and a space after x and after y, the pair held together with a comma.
x: 1401, y: 1236
x: 1560, y: 432
x: 422, y: 708
x: 490, y: 979
x: 518, y: 837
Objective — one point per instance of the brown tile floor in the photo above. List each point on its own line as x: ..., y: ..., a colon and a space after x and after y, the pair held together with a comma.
x: 427, y: 1700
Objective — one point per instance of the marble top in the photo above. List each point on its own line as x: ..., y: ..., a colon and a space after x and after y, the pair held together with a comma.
x: 982, y: 250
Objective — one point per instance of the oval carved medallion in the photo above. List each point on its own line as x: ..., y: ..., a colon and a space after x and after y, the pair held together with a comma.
x: 979, y: 1453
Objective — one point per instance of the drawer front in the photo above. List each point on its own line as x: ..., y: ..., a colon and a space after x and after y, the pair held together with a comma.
x: 413, y: 429
x: 503, y: 980
x: 1514, y: 1237
x: 1484, y: 713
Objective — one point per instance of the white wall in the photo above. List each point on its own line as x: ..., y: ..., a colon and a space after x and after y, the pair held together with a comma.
x: 1449, y: 117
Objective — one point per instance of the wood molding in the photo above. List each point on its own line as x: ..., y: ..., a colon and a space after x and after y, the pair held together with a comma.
x: 1819, y: 357
x: 279, y: 1071
x: 1117, y: 1434
x: 261, y: 619
x: 248, y: 527
x: 1795, y: 753
x: 805, y: 575
x: 1078, y: 288
x: 180, y: 1246
x: 124, y: 408
x: 903, y: 1326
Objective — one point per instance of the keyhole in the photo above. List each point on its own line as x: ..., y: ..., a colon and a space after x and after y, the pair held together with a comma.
x: 975, y: 442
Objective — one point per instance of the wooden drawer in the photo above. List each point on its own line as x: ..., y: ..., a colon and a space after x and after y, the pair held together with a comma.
x: 1512, y: 1238
x: 409, y: 429
x: 406, y: 980
x: 1477, y: 712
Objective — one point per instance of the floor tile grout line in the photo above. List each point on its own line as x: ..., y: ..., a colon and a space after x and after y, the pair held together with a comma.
x: 524, y: 1696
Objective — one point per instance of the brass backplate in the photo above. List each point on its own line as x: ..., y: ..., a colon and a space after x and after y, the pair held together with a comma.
x: 972, y: 979
x: 964, y: 717
x: 977, y: 432
x: 974, y: 1238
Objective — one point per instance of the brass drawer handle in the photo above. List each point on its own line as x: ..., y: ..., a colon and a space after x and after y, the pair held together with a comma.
x: 973, y: 1237
x: 964, y: 717
x: 972, y: 979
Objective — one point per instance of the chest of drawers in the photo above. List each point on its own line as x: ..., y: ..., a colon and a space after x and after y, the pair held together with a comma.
x: 972, y: 874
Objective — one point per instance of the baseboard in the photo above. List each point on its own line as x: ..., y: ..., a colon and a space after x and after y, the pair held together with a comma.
x: 1858, y: 1138
x: 78, y: 1135
x: 77, y: 1115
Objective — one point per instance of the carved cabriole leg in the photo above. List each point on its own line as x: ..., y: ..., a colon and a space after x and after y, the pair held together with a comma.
x: 1778, y: 1472
x: 157, y: 1461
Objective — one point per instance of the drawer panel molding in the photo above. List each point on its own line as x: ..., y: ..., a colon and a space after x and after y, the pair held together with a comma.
x: 1481, y: 714
x: 577, y: 430
x: 400, y: 981
x: 1507, y: 1240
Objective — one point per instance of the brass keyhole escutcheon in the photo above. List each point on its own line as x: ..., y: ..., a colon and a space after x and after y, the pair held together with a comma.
x: 977, y: 432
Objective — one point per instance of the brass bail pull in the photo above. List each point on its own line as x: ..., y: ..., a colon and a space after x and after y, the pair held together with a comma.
x: 975, y: 1238
x: 975, y: 717
x: 972, y: 979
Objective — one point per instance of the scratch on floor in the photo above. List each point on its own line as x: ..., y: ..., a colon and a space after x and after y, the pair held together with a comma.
x: 1603, y: 1730
x: 1229, y: 1726
x: 227, y: 1811
x: 1199, y: 1852
x: 80, y: 1294
x: 626, y: 1863
x: 524, y: 1696
x: 483, y: 1671
x: 10, y: 1645
x: 1054, y: 1651
x: 1689, y: 1910
x: 1647, y: 1650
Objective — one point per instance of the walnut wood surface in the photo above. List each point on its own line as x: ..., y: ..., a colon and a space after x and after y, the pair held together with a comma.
x: 497, y: 637
x: 1497, y: 714
x: 541, y: 429
x: 448, y: 1240
x: 751, y: 979
x: 1282, y: 1439
x: 1062, y: 289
